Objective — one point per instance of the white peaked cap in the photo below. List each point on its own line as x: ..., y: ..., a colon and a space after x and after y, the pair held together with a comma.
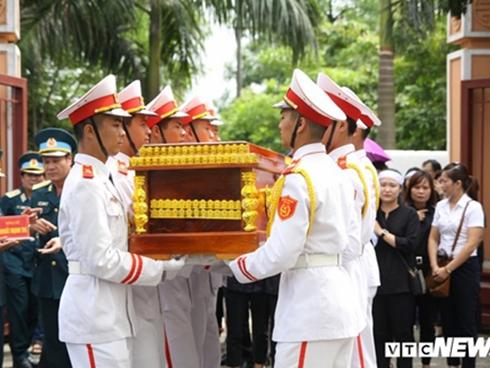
x: 164, y: 106
x: 368, y: 117
x: 132, y: 101
x: 100, y: 99
x: 197, y: 108
x: 310, y: 101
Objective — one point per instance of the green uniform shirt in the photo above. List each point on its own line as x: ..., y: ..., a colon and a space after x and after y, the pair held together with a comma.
x: 52, y: 269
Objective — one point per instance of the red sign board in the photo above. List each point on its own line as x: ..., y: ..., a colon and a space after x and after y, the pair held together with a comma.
x: 14, y: 227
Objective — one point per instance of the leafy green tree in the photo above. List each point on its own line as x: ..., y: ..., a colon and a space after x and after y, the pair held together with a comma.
x: 421, y: 91
x: 251, y: 117
x: 403, y: 16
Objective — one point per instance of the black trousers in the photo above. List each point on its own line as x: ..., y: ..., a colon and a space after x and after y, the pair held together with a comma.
x: 460, y: 309
x: 393, y: 317
x: 426, y: 308
x: 237, y: 306
x: 2, y: 320
x: 22, y: 313
x: 54, y: 353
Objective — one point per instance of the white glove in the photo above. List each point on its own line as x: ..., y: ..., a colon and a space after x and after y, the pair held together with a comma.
x: 222, y: 267
x: 172, y: 267
x: 200, y: 260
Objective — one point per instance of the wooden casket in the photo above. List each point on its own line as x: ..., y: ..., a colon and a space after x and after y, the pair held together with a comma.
x: 202, y: 198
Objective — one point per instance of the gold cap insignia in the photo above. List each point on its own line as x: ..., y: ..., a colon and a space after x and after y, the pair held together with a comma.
x: 51, y: 143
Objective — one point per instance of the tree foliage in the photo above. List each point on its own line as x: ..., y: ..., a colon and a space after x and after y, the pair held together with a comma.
x: 348, y: 53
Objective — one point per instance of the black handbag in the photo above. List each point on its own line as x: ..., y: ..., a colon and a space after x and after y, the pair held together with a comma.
x: 416, y: 278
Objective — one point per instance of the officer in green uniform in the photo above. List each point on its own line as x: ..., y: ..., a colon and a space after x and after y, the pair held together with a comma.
x: 56, y: 146
x: 19, y: 264
x: 4, y: 245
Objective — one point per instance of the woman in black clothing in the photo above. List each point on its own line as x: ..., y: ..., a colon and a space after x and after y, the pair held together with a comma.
x: 396, y: 228
x: 421, y: 196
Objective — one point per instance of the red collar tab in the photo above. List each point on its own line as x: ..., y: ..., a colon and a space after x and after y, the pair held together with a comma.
x: 289, y: 169
x: 342, y: 162
x: 122, y: 167
x: 87, y: 171
x: 305, y: 110
x: 99, y: 105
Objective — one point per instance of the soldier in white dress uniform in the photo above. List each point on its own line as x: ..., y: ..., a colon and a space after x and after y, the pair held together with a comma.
x: 341, y: 148
x: 96, y: 317
x: 204, y: 283
x: 147, y: 344
x: 311, y: 208
x: 175, y: 294
x: 370, y: 264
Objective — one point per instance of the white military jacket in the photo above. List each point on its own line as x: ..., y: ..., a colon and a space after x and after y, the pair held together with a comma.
x: 343, y: 156
x: 369, y: 260
x: 344, y: 153
x: 96, y: 305
x: 123, y: 179
x: 146, y: 300
x: 314, y: 303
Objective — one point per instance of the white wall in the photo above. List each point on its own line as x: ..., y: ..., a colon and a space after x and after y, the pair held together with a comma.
x: 402, y: 160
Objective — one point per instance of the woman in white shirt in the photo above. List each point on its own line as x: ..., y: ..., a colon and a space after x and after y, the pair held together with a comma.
x: 459, y: 310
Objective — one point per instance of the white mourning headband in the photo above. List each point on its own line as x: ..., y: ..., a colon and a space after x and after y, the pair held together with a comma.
x: 391, y: 174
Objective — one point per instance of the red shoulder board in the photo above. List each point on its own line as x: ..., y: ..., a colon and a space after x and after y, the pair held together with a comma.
x: 290, y: 168
x: 286, y: 207
x: 342, y: 162
x: 87, y: 171
x: 122, y: 167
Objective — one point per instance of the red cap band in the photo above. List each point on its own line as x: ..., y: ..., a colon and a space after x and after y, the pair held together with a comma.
x: 350, y: 110
x: 133, y: 104
x: 163, y: 111
x: 99, y: 105
x: 306, y: 110
x: 367, y: 121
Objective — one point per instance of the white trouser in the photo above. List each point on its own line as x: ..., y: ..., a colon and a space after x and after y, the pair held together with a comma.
x: 147, y: 343
x: 206, y: 334
x: 364, y: 355
x: 180, y: 347
x: 114, y: 354
x: 314, y: 354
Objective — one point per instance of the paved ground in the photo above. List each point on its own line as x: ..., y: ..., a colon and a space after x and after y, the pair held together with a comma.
x: 436, y: 363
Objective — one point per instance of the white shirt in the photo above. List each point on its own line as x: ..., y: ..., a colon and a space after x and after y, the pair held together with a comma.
x: 96, y: 305
x: 313, y: 303
x: 146, y: 301
x: 446, y: 221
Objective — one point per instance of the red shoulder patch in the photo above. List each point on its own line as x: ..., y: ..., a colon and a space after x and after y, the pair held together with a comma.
x: 88, y: 171
x: 122, y: 167
x: 342, y: 162
x: 286, y: 207
x: 289, y: 169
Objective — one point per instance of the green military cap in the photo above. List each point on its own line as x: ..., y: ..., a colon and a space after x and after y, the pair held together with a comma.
x: 55, y: 142
x: 30, y: 162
